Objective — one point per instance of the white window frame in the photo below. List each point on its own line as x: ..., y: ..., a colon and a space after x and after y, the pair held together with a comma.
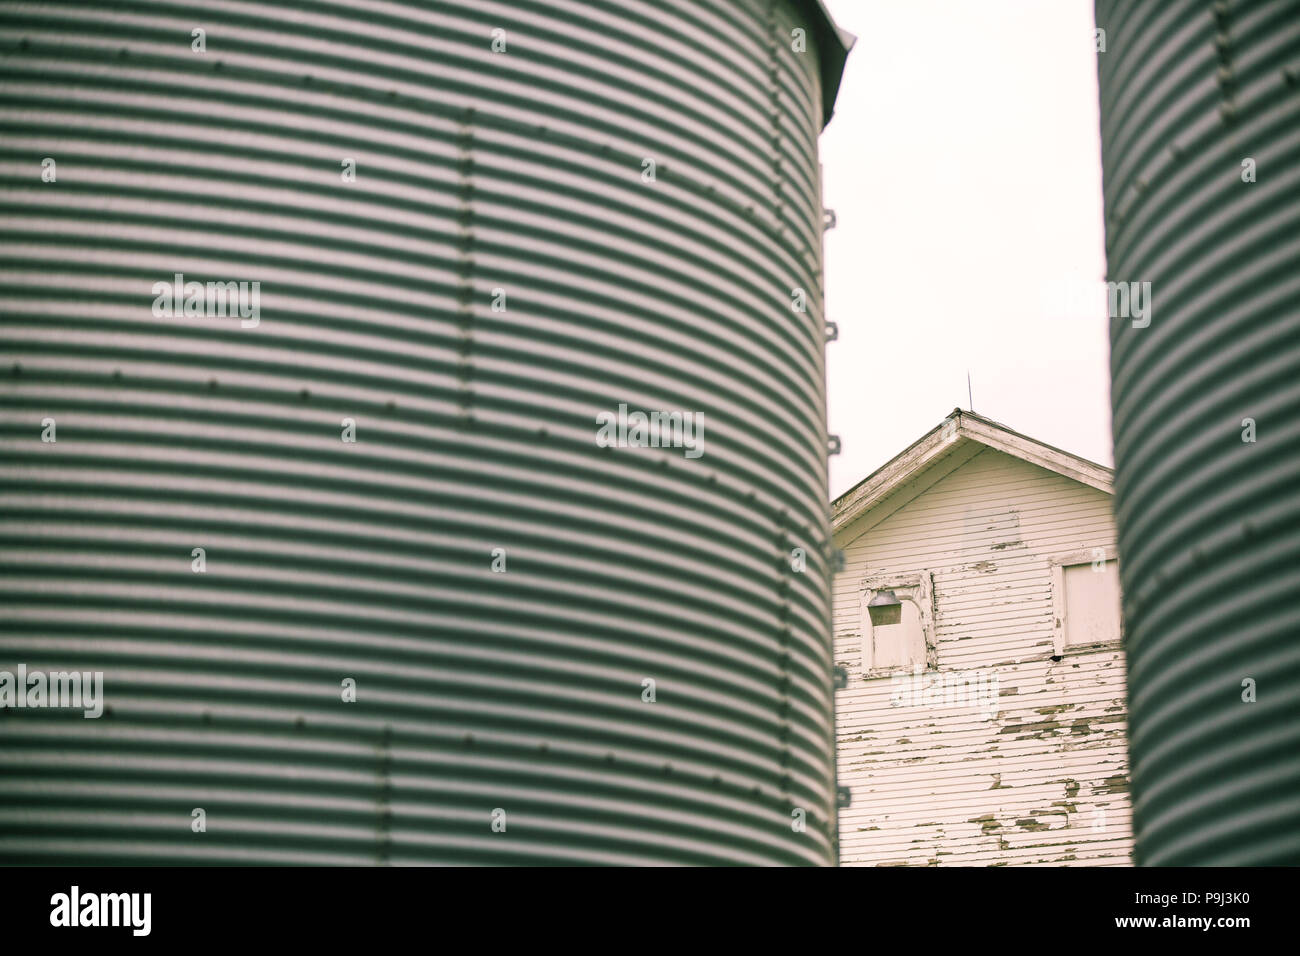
x: 1060, y: 613
x: 918, y: 588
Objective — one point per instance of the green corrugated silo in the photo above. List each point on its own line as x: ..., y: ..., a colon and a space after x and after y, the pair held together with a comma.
x: 1200, y: 123
x: 476, y: 229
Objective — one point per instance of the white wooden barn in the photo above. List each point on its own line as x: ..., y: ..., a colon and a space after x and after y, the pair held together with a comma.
x: 977, y: 616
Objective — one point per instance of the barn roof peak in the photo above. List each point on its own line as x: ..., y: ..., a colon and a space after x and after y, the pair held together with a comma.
x: 959, y: 437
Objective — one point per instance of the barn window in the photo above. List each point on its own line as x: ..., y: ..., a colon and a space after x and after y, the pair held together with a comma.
x: 1086, y: 600
x: 896, y: 625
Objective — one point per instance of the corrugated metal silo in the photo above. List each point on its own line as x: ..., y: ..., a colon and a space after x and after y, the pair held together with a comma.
x: 1200, y: 113
x: 462, y: 250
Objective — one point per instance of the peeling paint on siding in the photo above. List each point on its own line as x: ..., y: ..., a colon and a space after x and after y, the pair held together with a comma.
x: 1045, y: 782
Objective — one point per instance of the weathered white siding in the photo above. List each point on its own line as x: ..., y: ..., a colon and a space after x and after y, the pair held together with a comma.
x: 1045, y: 781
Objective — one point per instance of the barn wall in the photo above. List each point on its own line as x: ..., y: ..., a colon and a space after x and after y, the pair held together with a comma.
x: 1044, y: 780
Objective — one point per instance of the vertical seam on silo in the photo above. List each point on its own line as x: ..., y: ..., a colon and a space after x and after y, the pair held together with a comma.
x: 383, y: 802
x: 782, y: 541
x: 1225, y: 75
x: 465, y: 262
x: 774, y: 92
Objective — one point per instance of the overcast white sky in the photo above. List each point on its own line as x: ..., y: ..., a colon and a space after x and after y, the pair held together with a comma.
x: 964, y: 164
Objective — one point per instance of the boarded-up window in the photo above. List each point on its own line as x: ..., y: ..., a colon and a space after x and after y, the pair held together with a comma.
x: 1091, y: 603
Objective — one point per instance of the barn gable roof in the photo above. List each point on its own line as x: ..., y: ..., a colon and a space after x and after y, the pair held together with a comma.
x: 939, y: 452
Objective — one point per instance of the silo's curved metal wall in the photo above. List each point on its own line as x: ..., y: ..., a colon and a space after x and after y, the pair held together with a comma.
x: 477, y: 173
x: 1209, y: 524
